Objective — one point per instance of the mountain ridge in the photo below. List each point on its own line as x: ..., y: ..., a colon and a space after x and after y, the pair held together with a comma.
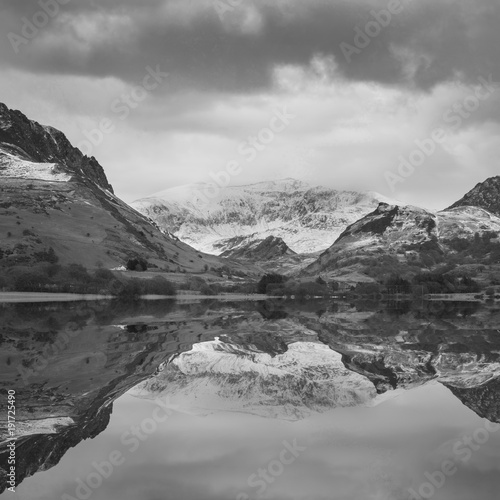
x: 406, y: 234
x: 485, y: 195
x: 53, y: 196
x: 307, y: 218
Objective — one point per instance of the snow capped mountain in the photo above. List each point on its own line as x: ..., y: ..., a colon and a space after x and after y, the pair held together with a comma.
x: 402, y: 231
x: 308, y: 219
x: 217, y: 376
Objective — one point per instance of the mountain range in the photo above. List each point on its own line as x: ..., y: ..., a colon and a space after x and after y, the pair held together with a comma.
x: 293, y: 228
x: 54, y: 197
x: 405, y: 236
x: 307, y: 218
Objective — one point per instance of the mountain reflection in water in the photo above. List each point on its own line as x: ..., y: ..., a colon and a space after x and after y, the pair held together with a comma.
x: 377, y: 394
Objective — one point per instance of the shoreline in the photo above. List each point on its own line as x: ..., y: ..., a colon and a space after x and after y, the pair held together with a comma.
x: 19, y: 297
x: 38, y: 297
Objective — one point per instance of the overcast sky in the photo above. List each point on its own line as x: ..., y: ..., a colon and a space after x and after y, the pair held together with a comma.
x: 353, y: 106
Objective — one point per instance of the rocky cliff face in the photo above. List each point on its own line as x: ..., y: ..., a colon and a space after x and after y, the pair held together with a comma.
x: 260, y: 250
x: 53, y: 196
x: 28, y: 140
x: 308, y: 219
x: 269, y: 255
x: 485, y: 195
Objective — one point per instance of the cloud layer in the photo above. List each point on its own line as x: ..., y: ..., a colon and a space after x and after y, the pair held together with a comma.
x: 357, y: 109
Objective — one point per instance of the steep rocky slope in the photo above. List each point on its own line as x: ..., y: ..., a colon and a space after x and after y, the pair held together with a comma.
x: 51, y: 195
x: 270, y: 248
x: 308, y: 219
x: 485, y: 195
x: 271, y: 254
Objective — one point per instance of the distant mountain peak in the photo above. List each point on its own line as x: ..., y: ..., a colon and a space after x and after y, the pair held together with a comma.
x: 484, y: 195
x: 307, y: 218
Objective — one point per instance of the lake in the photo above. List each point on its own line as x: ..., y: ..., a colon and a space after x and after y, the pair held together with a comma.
x: 281, y: 400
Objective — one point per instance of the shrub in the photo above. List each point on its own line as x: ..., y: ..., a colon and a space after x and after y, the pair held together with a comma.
x: 46, y: 256
x: 398, y: 284
x: 137, y: 264
x: 30, y: 281
x: 104, y: 275
x: 78, y: 273
x: 131, y: 290
x: 207, y: 290
x: 196, y: 283
x: 268, y: 279
x: 368, y: 289
x: 158, y: 286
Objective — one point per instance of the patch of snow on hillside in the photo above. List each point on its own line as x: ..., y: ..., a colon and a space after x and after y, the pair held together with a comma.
x: 11, y: 166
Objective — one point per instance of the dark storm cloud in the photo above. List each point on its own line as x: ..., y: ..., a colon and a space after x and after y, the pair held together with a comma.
x: 427, y: 43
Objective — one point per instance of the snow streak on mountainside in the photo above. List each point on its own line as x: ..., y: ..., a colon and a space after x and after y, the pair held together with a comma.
x: 217, y: 376
x: 308, y: 219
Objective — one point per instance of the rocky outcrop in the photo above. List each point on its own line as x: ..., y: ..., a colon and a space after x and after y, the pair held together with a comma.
x: 41, y: 144
x: 485, y: 195
x: 260, y: 250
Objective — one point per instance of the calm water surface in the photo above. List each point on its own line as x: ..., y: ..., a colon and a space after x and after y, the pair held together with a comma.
x: 240, y: 401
